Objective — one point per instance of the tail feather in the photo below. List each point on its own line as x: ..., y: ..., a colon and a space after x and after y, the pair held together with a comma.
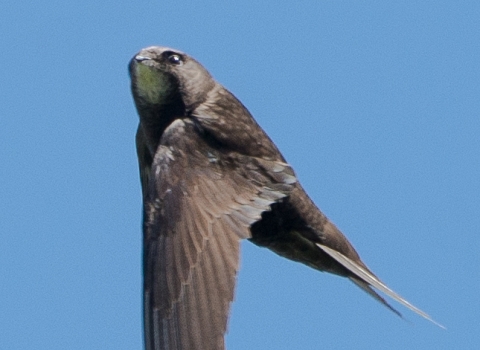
x: 365, y: 279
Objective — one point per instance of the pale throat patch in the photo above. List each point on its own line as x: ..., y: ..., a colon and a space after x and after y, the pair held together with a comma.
x: 151, y: 84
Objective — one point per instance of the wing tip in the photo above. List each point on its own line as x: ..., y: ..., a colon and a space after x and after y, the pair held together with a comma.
x: 366, y: 280
x: 368, y: 289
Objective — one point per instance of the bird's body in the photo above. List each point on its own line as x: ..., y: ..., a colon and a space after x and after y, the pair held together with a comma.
x: 210, y: 178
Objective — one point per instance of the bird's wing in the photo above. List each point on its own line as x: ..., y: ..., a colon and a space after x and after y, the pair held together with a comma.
x: 366, y: 280
x: 199, y: 204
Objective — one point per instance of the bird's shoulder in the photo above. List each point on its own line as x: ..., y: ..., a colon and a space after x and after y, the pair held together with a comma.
x: 189, y: 171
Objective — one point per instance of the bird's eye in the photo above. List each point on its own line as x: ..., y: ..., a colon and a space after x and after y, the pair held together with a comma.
x: 174, y: 58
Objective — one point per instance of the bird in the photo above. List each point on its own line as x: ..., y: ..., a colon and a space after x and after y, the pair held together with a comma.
x: 211, y: 177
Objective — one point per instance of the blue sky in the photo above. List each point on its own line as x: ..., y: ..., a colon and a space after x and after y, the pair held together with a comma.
x: 375, y: 104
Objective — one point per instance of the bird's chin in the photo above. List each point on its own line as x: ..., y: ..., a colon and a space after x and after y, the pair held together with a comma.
x: 151, y: 84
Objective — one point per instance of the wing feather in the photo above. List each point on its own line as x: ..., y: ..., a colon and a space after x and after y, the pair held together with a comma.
x: 199, y: 204
x: 364, y: 279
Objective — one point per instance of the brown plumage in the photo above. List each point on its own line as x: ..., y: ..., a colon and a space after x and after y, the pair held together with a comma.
x: 210, y: 178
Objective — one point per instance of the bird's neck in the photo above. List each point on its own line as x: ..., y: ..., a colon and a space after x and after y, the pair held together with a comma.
x: 154, y: 120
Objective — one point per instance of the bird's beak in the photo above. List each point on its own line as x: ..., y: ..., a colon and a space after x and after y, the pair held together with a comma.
x: 140, y: 58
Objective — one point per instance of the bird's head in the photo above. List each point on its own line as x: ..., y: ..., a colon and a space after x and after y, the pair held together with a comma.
x: 161, y: 75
